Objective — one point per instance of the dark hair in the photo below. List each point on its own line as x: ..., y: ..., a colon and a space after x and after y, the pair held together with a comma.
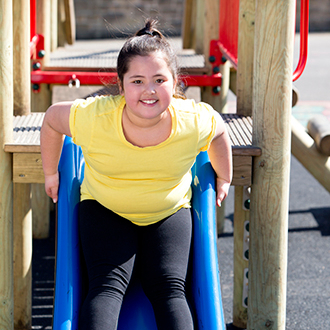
x: 145, y: 42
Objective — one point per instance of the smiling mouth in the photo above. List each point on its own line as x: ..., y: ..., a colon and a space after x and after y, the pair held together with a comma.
x: 149, y: 101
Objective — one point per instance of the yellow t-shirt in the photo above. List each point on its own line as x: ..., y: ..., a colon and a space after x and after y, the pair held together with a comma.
x: 143, y: 185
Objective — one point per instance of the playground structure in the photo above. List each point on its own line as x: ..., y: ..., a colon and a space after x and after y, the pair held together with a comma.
x: 263, y: 74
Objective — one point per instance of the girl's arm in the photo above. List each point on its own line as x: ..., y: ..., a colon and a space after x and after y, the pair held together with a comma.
x: 221, y: 159
x: 54, y: 127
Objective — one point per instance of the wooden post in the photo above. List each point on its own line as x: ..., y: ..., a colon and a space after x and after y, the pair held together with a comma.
x: 6, y: 194
x: 241, y: 257
x: 40, y: 103
x: 54, y: 25
x: 208, y: 29
x: 244, y: 93
x: 61, y: 23
x: 245, y: 56
x: 272, y: 96
x: 189, y: 24
x: 22, y: 216
x: 70, y: 21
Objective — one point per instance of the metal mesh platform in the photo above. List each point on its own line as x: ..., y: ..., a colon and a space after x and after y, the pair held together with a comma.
x: 26, y: 134
x: 102, y: 54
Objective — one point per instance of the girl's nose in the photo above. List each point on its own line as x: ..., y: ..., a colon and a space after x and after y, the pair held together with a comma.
x: 151, y: 89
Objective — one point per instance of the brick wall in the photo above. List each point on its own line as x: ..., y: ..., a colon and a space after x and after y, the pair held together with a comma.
x: 119, y: 18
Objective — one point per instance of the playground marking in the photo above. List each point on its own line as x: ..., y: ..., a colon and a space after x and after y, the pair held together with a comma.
x: 305, y: 110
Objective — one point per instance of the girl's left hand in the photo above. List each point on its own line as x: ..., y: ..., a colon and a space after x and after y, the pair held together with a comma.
x: 222, y: 189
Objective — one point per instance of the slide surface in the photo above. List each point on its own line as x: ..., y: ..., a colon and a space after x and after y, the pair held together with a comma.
x: 204, y: 283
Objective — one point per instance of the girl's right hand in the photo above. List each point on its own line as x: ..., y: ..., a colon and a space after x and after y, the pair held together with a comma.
x: 51, y: 186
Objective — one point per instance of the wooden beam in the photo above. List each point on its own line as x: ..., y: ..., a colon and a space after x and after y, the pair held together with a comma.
x: 6, y: 192
x: 188, y: 24
x: 43, y: 26
x: 40, y: 103
x: 27, y: 168
x: 22, y: 213
x: 272, y: 97
x: 305, y: 150
x: 70, y: 22
x: 242, y: 170
x: 241, y: 219
x: 54, y: 25
x: 245, y: 57
x: 319, y: 129
x: 244, y: 92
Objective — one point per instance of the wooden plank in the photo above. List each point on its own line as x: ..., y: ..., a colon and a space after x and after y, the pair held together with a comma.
x: 242, y: 171
x: 17, y: 148
x: 27, y: 168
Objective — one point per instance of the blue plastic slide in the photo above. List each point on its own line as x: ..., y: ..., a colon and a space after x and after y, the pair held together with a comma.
x: 136, y: 314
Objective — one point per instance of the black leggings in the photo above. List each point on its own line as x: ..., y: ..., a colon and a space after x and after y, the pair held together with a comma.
x: 159, y: 253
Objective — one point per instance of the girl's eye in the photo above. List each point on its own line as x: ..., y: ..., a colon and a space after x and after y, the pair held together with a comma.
x: 160, y: 81
x: 137, y: 82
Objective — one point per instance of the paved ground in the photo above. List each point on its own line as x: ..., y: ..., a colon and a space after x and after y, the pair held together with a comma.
x: 308, y: 295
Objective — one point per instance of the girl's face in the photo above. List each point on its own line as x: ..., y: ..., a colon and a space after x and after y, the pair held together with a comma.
x: 148, y: 86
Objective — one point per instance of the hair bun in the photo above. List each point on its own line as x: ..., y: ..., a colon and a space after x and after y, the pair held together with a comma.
x: 150, y: 29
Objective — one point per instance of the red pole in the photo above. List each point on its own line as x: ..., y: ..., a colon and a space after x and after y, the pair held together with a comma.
x: 101, y: 78
x: 33, y: 18
x: 304, y: 25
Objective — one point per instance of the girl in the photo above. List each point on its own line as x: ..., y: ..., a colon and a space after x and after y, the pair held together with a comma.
x: 139, y: 147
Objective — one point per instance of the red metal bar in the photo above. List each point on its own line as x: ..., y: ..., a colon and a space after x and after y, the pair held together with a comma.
x: 33, y: 18
x: 304, y: 27
x: 63, y: 78
x: 228, y: 29
x: 228, y: 54
x: 37, y: 45
x: 33, y: 46
x: 104, y: 78
x: 213, y: 80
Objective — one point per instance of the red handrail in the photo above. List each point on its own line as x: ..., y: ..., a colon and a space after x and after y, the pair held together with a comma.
x: 101, y: 78
x: 32, y: 19
x: 304, y: 27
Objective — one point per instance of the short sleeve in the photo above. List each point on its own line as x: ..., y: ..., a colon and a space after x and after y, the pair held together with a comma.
x: 206, y: 124
x: 81, y: 121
